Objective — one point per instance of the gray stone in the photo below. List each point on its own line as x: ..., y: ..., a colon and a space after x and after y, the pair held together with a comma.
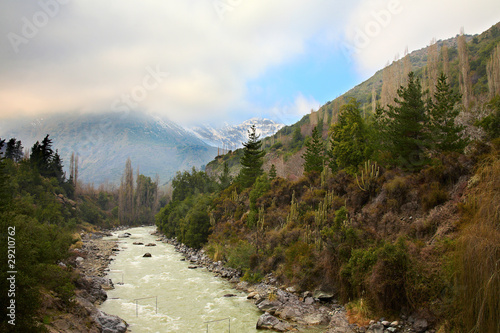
x: 309, y: 300
x: 111, y: 323
x: 395, y: 323
x: 420, y: 325
x: 147, y: 255
x: 267, y: 321
x: 376, y: 328
x: 386, y: 323
x: 323, y: 295
x: 392, y: 329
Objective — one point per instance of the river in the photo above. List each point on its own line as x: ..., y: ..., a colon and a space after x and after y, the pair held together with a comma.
x: 182, y: 299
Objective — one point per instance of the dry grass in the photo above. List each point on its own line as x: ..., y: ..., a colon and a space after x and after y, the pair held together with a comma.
x: 358, y: 312
x: 478, y: 260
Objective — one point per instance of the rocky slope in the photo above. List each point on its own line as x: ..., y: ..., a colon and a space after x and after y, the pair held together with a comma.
x: 83, y: 315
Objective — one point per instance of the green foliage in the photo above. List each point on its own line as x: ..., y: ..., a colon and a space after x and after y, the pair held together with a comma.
x: 404, y: 126
x: 380, y: 273
x: 314, y: 156
x: 349, y: 139
x: 272, y: 172
x: 443, y: 111
x: 252, y: 159
x: 491, y: 123
x: 238, y: 256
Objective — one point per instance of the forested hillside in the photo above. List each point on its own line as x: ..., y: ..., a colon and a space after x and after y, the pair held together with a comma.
x: 395, y: 209
x: 42, y: 216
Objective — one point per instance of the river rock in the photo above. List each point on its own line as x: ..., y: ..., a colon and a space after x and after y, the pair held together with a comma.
x: 376, y: 328
x: 269, y: 322
x: 309, y: 300
x: 125, y: 235
x: 229, y: 295
x: 420, y: 325
x: 323, y: 295
x: 150, y: 244
x: 111, y: 323
x: 339, y: 323
x: 137, y: 243
x: 147, y: 255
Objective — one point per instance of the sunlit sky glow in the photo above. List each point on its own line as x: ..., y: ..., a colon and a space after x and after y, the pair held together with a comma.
x: 210, y: 60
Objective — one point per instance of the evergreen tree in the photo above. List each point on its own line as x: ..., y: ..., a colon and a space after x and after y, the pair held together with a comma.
x: 56, y: 168
x: 443, y: 111
x: 314, y: 156
x: 349, y: 136
x: 225, y: 178
x: 252, y: 159
x: 405, y: 125
x: 272, y: 172
x: 14, y: 150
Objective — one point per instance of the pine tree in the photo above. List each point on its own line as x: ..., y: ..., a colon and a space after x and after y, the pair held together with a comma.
x: 443, y: 111
x: 225, y: 178
x: 349, y: 139
x: 14, y: 150
x: 56, y: 167
x: 252, y: 159
x: 272, y: 172
x: 405, y: 125
x: 314, y: 156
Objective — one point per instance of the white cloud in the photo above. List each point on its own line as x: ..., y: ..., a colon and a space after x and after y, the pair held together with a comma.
x: 92, y: 52
x: 289, y: 113
x: 378, y: 30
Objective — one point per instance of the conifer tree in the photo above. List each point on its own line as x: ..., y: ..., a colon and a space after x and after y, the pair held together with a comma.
x: 14, y: 150
x: 225, y: 178
x: 349, y: 139
x: 443, y: 111
x: 252, y: 159
x: 405, y: 125
x: 272, y: 172
x: 314, y: 156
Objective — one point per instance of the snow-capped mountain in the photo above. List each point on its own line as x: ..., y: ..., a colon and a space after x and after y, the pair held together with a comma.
x: 233, y: 136
x: 103, y: 142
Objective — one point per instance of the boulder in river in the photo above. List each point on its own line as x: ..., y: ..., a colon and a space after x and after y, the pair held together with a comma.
x: 147, y: 255
x: 150, y: 244
x: 137, y: 243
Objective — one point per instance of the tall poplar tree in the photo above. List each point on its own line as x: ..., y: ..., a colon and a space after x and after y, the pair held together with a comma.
x: 252, y: 159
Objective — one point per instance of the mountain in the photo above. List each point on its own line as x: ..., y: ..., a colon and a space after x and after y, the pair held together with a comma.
x: 232, y: 136
x: 103, y: 142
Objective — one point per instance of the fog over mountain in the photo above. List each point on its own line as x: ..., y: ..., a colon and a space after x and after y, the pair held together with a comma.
x: 103, y: 142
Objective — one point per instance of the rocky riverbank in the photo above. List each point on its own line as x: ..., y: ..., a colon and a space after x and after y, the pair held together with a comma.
x: 286, y: 310
x: 89, y: 262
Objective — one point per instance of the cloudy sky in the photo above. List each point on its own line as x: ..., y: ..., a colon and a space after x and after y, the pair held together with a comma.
x: 210, y: 60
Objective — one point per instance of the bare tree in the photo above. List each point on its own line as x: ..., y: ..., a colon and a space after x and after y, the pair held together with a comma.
x: 493, y: 71
x: 464, y: 77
